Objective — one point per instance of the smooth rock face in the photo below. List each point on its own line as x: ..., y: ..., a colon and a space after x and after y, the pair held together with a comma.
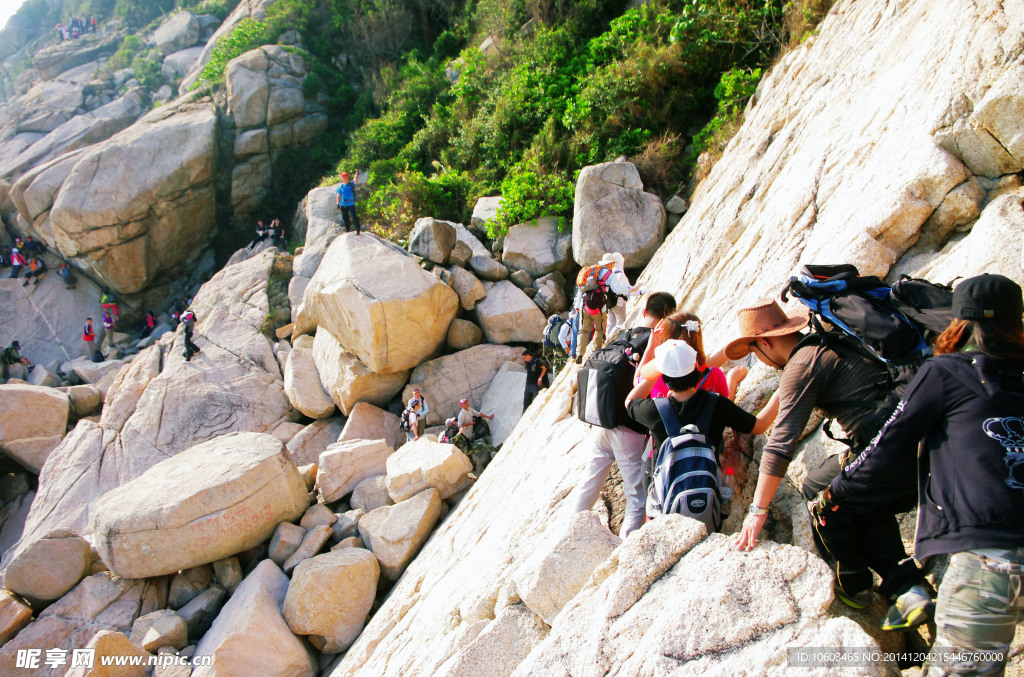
x: 612, y: 213
x: 367, y: 422
x: 212, y: 501
x: 312, y: 542
x: 371, y: 493
x: 467, y: 286
x: 347, y: 380
x: 465, y: 374
x: 49, y: 567
x: 504, y: 399
x: 424, y: 464
x: 306, y: 447
x: 345, y: 464
x: 250, y: 622
x: 316, y: 514
x: 395, y: 533
x: 14, y: 615
x: 463, y: 334
x: 507, y: 315
x: 486, y: 208
x: 303, y: 388
x: 100, y: 602
x: 555, y: 573
x: 432, y: 239
x: 537, y: 247
x: 128, y: 232
x: 187, y: 584
x: 500, y: 646
x: 330, y: 596
x: 32, y: 423
x: 372, y: 299
x: 160, y: 628
x: 108, y: 644
x: 177, y: 33
x: 200, y: 612
x: 286, y: 540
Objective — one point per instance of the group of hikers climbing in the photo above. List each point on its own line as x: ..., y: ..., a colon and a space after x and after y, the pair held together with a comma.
x: 927, y: 383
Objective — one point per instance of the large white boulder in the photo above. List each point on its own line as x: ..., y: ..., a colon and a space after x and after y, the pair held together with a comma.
x: 538, y: 247
x: 424, y: 464
x: 395, y: 532
x: 211, y: 501
x: 302, y: 385
x: 128, y: 228
x: 612, y: 213
x: 330, y: 596
x: 379, y: 304
x: 504, y: 399
x: 345, y: 464
x: 467, y: 286
x: 465, y: 374
x: 49, y: 567
x: 248, y: 626
x: 178, y: 64
x: 485, y: 209
x: 347, y: 380
x: 100, y: 602
x: 506, y: 314
x: 367, y: 422
x: 33, y: 420
x: 177, y: 33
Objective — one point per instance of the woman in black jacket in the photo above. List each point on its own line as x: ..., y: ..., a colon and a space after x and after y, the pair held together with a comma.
x: 966, y: 409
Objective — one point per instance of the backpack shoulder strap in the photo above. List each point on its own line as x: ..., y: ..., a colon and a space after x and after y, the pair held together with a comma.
x: 668, y: 416
x: 704, y: 421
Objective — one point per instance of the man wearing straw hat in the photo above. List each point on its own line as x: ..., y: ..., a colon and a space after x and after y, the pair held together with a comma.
x: 844, y: 385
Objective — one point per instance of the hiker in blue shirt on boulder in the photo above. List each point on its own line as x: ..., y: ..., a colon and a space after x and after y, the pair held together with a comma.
x: 347, y: 201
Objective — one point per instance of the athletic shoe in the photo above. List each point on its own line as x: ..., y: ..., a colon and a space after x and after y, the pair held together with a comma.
x: 859, y: 600
x: 912, y: 608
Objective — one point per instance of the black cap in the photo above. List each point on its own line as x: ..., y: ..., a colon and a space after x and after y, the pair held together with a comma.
x: 15, y: 345
x: 988, y: 297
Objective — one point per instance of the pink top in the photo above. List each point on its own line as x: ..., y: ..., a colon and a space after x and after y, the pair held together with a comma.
x: 715, y: 382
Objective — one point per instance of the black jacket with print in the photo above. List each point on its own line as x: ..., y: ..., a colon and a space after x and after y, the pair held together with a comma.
x: 968, y: 410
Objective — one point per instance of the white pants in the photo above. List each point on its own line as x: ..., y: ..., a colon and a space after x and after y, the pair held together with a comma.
x: 616, y: 320
x: 625, y: 447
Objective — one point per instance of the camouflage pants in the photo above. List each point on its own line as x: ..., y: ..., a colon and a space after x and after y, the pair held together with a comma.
x: 979, y: 606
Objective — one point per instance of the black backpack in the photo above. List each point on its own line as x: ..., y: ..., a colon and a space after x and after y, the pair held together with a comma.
x: 404, y: 423
x: 607, y: 377
x: 892, y: 326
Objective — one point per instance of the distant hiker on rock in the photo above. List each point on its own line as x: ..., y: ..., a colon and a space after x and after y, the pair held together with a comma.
x: 11, y: 355
x: 595, y: 286
x: 466, y: 417
x: 845, y: 385
x: 108, y: 330
x: 36, y: 269
x: 150, y: 324
x: 410, y: 420
x: 424, y: 409
x: 108, y: 302
x: 33, y: 247
x: 89, y: 336
x: 277, y: 235
x: 536, y: 378
x: 65, y: 273
x: 17, y: 262
x: 622, y: 442
x: 188, y: 318
x: 347, y: 201
x: 261, y: 233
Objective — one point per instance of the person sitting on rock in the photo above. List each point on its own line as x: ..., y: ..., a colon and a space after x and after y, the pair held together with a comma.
x: 188, y: 319
x: 150, y: 324
x: 11, y: 355
x: 261, y: 234
x: 467, y: 417
x: 536, y: 378
x: 66, y: 274
x: 36, y: 270
x: 347, y: 201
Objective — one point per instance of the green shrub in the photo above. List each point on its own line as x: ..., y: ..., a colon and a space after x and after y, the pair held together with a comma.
x: 122, y: 58
x: 248, y: 34
x: 528, y: 195
x: 147, y: 68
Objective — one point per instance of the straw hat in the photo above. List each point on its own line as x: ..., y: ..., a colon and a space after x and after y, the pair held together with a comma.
x: 613, y: 257
x: 764, y: 319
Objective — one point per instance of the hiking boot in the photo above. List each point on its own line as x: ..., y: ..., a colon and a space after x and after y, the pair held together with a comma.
x: 857, y: 600
x: 912, y: 608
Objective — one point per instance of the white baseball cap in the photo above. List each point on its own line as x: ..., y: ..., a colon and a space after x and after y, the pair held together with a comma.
x: 673, y: 358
